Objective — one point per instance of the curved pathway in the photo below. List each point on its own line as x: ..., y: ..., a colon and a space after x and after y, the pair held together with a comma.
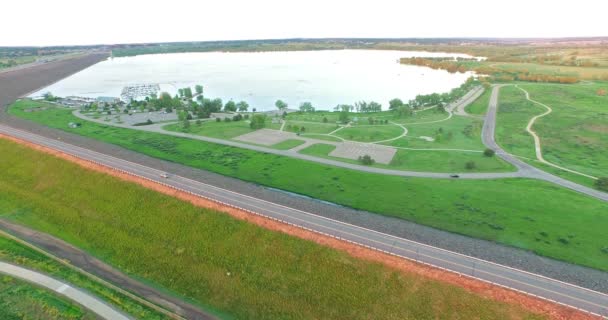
x: 88, y: 301
x: 523, y: 168
x: 537, y: 145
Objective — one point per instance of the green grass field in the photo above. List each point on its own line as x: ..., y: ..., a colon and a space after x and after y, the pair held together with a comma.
x: 366, y: 133
x: 509, y: 211
x: 288, y: 144
x: 213, y: 129
x: 575, y: 134
x: 514, y: 112
x: 480, y: 106
x: 446, y: 161
x: 319, y: 150
x: 237, y: 268
x: 16, y: 253
x: 456, y: 133
x: 21, y: 300
x: 309, y: 127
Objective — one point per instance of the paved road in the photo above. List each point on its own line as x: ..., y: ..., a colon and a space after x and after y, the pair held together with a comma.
x: 524, y: 169
x: 86, y: 300
x: 584, y: 299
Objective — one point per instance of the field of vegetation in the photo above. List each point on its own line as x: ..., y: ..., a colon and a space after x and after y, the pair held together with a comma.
x: 514, y: 112
x: 16, y: 253
x: 236, y: 268
x: 516, y: 212
x: 21, y: 300
x: 574, y: 135
x: 480, y: 106
x: 532, y: 63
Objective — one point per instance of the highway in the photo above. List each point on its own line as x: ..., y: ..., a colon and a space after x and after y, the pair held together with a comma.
x: 543, y: 287
x: 88, y: 301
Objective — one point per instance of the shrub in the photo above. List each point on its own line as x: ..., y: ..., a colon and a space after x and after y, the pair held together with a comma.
x: 602, y: 183
x: 470, y: 165
x: 227, y: 119
x: 218, y: 120
x: 324, y: 119
x: 258, y: 121
x: 489, y: 152
x: 366, y: 160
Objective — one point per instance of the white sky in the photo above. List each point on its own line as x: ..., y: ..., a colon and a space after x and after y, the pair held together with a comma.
x: 68, y: 22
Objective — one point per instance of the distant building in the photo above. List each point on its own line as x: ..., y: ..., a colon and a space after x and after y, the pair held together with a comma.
x: 108, y: 100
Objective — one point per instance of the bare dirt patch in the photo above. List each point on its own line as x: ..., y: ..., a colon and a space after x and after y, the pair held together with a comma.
x: 551, y: 310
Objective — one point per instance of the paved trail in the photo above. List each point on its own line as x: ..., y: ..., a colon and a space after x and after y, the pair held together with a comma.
x: 88, y: 301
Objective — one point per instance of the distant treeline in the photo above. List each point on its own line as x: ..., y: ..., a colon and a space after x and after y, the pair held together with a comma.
x: 463, y: 65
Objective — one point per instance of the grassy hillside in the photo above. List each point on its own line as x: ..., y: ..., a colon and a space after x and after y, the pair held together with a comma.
x: 517, y: 212
x: 226, y: 264
x: 21, y: 300
x: 16, y: 253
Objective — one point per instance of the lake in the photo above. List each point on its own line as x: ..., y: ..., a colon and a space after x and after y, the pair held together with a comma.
x: 325, y: 78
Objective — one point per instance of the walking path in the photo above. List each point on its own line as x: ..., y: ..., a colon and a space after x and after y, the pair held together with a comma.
x: 537, y: 145
x: 86, y: 300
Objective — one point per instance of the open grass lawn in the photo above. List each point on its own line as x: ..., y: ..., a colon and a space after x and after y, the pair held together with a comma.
x: 455, y: 133
x: 310, y: 127
x: 320, y: 150
x: 367, y: 133
x: 446, y: 161
x: 16, y: 253
x: 288, y: 144
x: 321, y: 137
x: 509, y: 211
x: 221, y: 130
x: 222, y: 263
x: 575, y: 134
x: 480, y: 106
x: 514, y: 113
x: 588, y: 73
x: 21, y: 300
x: 317, y: 116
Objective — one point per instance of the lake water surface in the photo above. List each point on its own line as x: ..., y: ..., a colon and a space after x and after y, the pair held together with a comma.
x: 325, y: 78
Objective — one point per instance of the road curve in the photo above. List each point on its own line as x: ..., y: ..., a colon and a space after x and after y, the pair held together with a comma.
x: 543, y: 287
x: 88, y: 301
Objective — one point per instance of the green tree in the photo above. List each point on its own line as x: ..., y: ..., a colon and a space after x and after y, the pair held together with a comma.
x: 186, y: 125
x: 602, y: 184
x: 404, y: 110
x: 489, y: 152
x: 395, y: 104
x: 281, y: 105
x: 242, y: 106
x: 199, y: 89
x: 188, y: 93
x: 258, y: 121
x: 470, y: 165
x: 366, y: 160
x: 306, y: 107
x: 230, y: 106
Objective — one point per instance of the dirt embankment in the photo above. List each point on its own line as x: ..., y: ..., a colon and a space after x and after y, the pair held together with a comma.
x: 552, y: 310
